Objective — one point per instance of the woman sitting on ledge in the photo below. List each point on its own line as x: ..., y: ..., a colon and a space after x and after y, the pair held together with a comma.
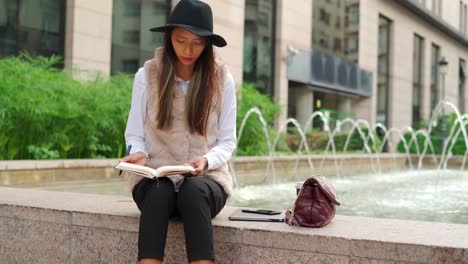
x: 183, y: 111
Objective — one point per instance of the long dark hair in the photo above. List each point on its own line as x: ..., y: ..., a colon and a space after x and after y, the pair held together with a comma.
x: 201, y: 93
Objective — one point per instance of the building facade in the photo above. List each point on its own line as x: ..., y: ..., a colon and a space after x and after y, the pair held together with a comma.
x: 368, y: 59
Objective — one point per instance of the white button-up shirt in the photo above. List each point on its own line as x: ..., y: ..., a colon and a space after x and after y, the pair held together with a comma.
x: 226, y: 140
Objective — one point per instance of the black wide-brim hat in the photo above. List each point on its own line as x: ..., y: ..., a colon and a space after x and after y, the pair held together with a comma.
x: 194, y: 16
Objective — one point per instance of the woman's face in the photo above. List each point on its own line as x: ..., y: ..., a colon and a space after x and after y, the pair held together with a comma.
x: 187, y: 46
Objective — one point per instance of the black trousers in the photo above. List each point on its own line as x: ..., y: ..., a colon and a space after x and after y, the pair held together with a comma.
x: 198, y: 200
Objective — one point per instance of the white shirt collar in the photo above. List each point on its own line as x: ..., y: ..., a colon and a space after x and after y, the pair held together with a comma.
x: 178, y: 79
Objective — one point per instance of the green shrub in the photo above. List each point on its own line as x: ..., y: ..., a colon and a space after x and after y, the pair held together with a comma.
x: 46, y: 114
x: 318, y: 140
x: 435, y: 140
x: 435, y: 137
x: 253, y: 140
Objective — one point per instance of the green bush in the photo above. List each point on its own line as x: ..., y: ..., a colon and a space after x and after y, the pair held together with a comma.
x: 435, y: 137
x: 253, y: 140
x: 46, y: 114
x: 318, y: 141
x: 435, y: 140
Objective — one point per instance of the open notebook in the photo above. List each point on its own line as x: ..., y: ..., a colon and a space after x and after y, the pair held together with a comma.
x: 238, y: 215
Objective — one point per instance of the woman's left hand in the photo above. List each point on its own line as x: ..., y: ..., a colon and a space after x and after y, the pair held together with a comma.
x: 199, y: 164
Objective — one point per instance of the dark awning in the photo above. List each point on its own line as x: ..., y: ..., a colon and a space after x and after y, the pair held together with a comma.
x: 321, y: 71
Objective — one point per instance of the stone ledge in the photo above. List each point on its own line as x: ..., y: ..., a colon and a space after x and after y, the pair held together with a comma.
x: 6, y: 165
x: 85, y: 228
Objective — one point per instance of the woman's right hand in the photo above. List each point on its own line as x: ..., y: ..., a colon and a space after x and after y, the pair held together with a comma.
x: 136, y: 158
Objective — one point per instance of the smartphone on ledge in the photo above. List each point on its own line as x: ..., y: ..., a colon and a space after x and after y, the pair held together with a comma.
x: 261, y: 211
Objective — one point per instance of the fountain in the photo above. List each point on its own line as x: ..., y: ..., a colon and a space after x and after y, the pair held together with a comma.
x: 427, y: 176
x: 369, y: 141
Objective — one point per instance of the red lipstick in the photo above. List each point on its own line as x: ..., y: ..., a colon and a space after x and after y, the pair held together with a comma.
x: 187, y: 59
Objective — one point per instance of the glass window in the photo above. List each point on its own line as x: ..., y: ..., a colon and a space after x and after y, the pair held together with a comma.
x: 132, y: 42
x: 383, y: 61
x: 353, y: 44
x: 131, y: 37
x: 461, y: 86
x: 383, y: 40
x: 130, y: 65
x: 259, y: 40
x: 337, y: 44
x: 417, y: 77
x: 353, y: 15
x: 34, y: 26
x: 324, y: 16
x: 132, y: 8
x: 335, y: 28
x: 435, y: 57
x: 324, y: 40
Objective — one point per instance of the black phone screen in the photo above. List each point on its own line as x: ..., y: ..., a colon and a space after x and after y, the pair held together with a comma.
x: 261, y: 211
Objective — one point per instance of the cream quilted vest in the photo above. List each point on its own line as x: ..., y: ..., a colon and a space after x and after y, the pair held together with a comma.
x: 177, y: 145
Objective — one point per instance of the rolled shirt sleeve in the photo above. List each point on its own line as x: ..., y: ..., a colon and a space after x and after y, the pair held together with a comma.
x: 134, y: 132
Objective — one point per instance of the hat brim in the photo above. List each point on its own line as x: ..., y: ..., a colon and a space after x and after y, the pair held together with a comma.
x: 216, y: 40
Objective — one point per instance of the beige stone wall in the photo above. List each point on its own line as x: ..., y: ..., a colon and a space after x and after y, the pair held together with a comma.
x: 88, y: 35
x: 365, y: 108
x: 304, y: 100
x: 228, y: 16
x: 463, y: 28
x: 293, y: 28
x: 451, y: 12
x: 405, y: 25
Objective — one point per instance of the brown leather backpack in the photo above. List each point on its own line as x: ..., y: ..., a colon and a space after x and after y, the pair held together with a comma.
x: 315, y: 204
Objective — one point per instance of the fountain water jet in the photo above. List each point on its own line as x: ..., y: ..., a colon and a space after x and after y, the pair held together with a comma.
x: 369, y: 140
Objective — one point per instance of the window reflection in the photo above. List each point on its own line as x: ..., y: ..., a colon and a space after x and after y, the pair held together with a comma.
x: 34, y: 26
x: 335, y: 28
x: 259, y: 44
x: 417, y: 77
x: 435, y: 57
x: 132, y: 8
x: 383, y: 61
x: 132, y: 42
x: 461, y: 85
